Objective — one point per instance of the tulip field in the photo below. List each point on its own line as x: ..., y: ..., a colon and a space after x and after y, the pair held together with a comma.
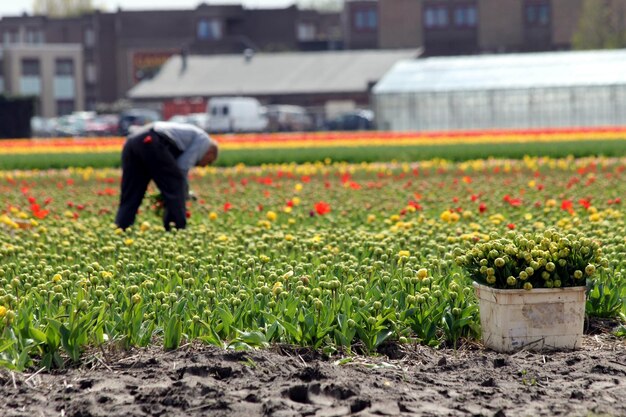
x: 339, y: 257
x: 301, y: 147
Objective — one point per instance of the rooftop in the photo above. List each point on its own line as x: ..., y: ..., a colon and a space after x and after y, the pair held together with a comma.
x: 510, y: 71
x: 270, y: 73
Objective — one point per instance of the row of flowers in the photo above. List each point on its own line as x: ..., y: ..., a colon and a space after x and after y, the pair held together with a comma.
x: 328, y: 139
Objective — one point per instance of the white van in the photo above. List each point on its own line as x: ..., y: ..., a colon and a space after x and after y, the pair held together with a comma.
x: 236, y: 114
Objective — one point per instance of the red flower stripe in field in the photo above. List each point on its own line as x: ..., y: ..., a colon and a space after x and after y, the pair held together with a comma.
x: 325, y: 139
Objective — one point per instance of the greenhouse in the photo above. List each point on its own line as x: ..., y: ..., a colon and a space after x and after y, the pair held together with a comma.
x: 554, y: 89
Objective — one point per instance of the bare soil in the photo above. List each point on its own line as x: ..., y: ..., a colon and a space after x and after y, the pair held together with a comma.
x: 198, y: 380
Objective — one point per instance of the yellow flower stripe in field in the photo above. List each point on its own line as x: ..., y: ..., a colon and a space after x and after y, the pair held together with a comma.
x: 325, y: 139
x: 409, y: 142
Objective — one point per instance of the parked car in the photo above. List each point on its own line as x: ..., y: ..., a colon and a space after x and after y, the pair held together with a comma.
x: 178, y: 118
x: 71, y: 125
x: 236, y: 114
x: 136, y: 117
x: 354, y: 120
x: 200, y: 120
x: 42, y: 127
x: 102, y: 125
x: 288, y: 118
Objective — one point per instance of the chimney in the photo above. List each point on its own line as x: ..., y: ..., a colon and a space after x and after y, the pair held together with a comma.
x: 183, y: 57
x: 248, y: 54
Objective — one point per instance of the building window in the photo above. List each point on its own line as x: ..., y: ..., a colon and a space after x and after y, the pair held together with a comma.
x: 372, y: 19
x: 64, y: 88
x: 64, y: 79
x: 90, y: 73
x: 34, y: 36
x: 30, y: 67
x: 30, y: 80
x: 209, y: 29
x: 64, y: 66
x: 466, y: 16
x: 90, y: 37
x: 10, y: 36
x: 65, y: 107
x: 537, y: 13
x: 365, y: 20
x: 306, y: 32
x: 436, y: 17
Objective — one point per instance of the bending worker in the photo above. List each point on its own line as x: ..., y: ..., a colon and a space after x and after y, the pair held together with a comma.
x: 163, y: 152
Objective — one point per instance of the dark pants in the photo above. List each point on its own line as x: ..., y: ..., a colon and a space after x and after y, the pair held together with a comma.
x: 147, y: 156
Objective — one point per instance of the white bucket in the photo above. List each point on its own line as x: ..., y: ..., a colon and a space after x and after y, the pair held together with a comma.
x: 539, y: 319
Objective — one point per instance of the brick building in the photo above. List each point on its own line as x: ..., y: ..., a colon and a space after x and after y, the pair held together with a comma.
x: 123, y: 47
x: 454, y: 27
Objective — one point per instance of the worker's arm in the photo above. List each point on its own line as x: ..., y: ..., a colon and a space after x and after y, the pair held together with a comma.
x: 192, y: 155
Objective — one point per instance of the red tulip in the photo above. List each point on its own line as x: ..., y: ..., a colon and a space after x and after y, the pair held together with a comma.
x: 567, y: 205
x: 322, y: 208
x: 585, y: 203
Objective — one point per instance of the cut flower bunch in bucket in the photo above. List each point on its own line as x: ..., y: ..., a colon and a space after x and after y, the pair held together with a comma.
x: 549, y: 259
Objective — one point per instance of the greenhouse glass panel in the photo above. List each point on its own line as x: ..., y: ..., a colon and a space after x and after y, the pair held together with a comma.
x: 555, y: 89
